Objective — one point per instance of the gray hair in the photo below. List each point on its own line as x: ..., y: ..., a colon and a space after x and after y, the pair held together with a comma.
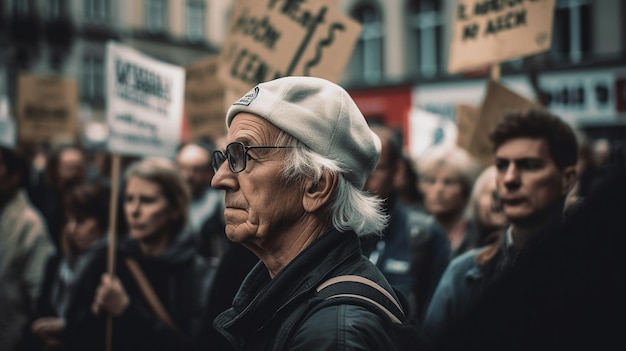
x: 165, y: 174
x: 350, y: 208
x: 453, y: 158
x: 488, y: 175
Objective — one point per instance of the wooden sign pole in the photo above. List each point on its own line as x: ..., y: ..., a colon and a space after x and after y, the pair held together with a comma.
x: 112, y: 236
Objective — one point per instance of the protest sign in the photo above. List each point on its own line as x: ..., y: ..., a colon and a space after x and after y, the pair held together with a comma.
x: 488, y: 32
x: 427, y: 129
x: 466, y: 120
x: 268, y: 39
x: 7, y: 125
x: 47, y: 108
x: 498, y: 101
x: 145, y: 103
x: 205, y: 106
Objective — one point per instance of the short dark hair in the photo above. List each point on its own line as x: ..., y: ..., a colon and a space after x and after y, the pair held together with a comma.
x: 14, y: 161
x: 539, y: 124
x: 89, y: 200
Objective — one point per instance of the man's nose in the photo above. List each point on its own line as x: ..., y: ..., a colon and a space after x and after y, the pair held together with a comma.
x: 511, y: 176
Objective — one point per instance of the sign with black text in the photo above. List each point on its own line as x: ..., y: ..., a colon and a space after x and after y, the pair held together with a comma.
x: 268, y: 39
x: 489, y: 32
x: 205, y: 105
x: 145, y: 103
x: 47, y: 108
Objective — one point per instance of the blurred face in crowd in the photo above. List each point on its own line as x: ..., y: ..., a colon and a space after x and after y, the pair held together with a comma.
x: 381, y: 180
x: 147, y: 210
x: 443, y: 192
x: 82, y: 231
x: 71, y: 169
x: 195, y: 165
x: 260, y: 207
x: 488, y: 206
x: 528, y: 181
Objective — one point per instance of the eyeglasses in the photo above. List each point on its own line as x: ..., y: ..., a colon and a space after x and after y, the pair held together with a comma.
x: 237, y: 154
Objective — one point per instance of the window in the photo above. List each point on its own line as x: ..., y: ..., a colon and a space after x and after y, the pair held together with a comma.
x: 155, y: 15
x: 425, y: 37
x: 367, y: 58
x: 93, y: 78
x: 571, y: 31
x: 194, y: 24
x: 96, y: 10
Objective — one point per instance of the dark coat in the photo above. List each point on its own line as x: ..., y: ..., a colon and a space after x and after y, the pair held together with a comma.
x: 180, y: 277
x: 257, y: 319
x: 565, y: 293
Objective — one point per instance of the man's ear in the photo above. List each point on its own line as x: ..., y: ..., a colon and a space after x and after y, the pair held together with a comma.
x: 570, y: 176
x: 317, y: 194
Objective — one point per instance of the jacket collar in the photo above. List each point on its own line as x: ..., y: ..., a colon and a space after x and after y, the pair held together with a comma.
x: 260, y: 298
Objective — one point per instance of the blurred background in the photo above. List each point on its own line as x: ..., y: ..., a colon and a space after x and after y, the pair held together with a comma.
x: 398, y: 65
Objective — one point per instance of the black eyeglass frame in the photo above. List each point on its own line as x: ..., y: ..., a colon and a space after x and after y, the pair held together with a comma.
x: 225, y: 155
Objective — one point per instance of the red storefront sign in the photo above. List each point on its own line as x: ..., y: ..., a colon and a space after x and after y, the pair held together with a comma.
x: 389, y: 105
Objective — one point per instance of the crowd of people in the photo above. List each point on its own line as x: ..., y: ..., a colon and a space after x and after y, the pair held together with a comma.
x: 307, y: 228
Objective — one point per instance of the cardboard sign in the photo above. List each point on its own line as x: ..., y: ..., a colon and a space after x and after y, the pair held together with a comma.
x: 487, y: 32
x: 466, y: 121
x: 205, y: 99
x: 268, y: 39
x: 498, y: 101
x: 145, y: 103
x: 47, y: 108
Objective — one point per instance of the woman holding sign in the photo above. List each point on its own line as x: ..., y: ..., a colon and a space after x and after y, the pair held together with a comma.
x: 156, y: 298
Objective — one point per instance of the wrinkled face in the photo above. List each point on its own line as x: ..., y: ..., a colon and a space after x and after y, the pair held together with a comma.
x: 489, y: 210
x: 82, y: 231
x: 147, y: 211
x: 195, y: 165
x: 443, y: 192
x: 529, y: 182
x: 260, y: 207
x: 71, y: 168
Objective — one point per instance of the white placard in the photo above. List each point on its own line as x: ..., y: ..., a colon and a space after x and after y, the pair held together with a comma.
x: 428, y: 129
x: 145, y: 103
x: 8, y: 134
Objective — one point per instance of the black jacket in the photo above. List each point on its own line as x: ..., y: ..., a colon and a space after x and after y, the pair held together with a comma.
x: 259, y: 318
x: 181, y: 279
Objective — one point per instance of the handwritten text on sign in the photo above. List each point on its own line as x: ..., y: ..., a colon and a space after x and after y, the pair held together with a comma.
x: 47, y: 108
x: 268, y: 39
x: 205, y: 105
x: 492, y: 31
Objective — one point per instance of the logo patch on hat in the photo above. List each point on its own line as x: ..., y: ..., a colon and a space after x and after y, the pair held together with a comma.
x: 247, y: 99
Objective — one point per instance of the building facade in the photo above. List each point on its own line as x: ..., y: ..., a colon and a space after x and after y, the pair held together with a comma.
x: 399, y: 62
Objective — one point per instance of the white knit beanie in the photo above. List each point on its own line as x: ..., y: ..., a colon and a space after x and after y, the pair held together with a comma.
x: 321, y: 115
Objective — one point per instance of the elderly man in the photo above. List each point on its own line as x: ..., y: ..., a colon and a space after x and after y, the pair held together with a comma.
x: 298, y: 154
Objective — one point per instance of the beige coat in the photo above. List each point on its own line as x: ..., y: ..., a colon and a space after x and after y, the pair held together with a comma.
x: 25, y: 247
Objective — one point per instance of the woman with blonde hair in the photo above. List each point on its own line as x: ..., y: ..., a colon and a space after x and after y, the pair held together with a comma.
x: 157, y: 296
x: 446, y: 177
